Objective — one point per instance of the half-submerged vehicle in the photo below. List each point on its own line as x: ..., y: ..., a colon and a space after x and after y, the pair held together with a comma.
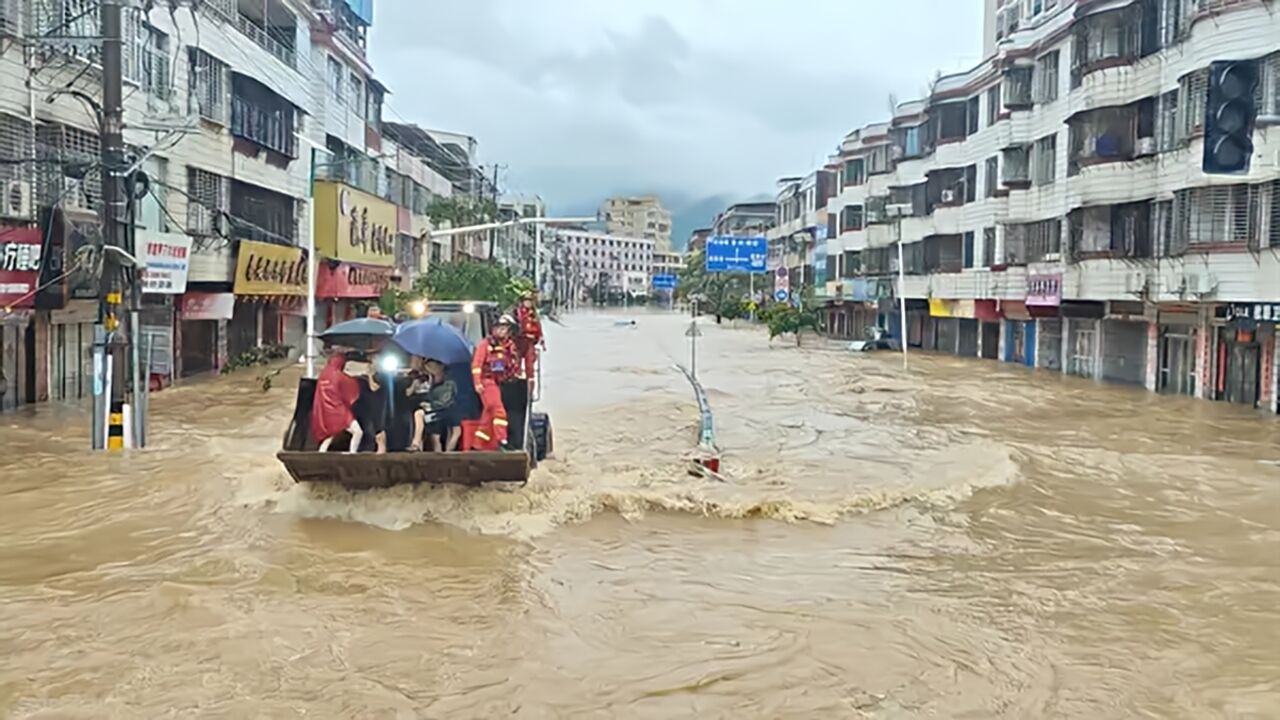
x: 530, y: 432
x: 877, y: 338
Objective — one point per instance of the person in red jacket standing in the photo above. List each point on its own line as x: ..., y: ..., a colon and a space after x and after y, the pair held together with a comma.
x: 530, y: 338
x: 332, y: 410
x: 494, y: 362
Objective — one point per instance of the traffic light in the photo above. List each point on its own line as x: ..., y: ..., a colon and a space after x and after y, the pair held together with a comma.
x: 1229, y: 117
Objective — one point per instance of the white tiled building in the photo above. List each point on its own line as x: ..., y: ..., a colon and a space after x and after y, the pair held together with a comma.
x: 1052, y: 206
x: 610, y: 262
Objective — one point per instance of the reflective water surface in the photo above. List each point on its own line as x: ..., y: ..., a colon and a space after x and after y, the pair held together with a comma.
x: 966, y: 540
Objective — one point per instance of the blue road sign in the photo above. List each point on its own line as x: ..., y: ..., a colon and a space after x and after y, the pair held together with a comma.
x: 780, y: 294
x: 727, y: 253
x: 664, y: 282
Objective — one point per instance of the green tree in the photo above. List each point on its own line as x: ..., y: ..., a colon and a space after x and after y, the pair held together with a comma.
x: 460, y: 211
x: 785, y: 318
x: 471, y: 281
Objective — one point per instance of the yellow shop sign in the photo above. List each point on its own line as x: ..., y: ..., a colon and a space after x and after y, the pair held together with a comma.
x: 940, y: 308
x: 354, y: 226
x: 266, y: 269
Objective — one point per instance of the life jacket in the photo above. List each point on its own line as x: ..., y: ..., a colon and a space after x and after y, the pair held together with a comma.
x: 499, y: 362
x: 530, y: 324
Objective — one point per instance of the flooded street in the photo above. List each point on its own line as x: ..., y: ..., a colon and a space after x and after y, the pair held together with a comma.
x: 967, y: 540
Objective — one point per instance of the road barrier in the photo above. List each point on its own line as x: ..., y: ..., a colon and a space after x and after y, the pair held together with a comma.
x: 709, y: 462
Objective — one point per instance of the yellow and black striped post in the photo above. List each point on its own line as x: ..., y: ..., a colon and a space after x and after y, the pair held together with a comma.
x: 115, y: 426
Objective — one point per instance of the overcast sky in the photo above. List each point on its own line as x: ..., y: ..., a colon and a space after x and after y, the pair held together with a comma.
x: 688, y: 98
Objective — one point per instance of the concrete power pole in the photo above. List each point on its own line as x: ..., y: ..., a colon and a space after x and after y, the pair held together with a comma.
x: 114, y: 282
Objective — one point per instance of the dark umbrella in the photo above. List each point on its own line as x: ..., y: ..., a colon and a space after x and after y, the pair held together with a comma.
x: 434, y: 339
x: 361, y: 334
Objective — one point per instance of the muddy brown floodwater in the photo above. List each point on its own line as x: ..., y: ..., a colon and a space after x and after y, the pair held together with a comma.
x: 968, y: 540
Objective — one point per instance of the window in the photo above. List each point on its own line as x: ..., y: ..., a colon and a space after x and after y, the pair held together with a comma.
x: 262, y: 117
x: 1018, y: 88
x: 206, y: 202
x: 1270, y: 105
x: 851, y: 218
x: 993, y: 105
x: 1017, y: 164
x: 1033, y: 242
x: 971, y: 183
x: 1046, y: 78
x: 1172, y: 21
x: 1167, y: 134
x: 968, y: 249
x: 1222, y: 215
x: 878, y: 160
x: 209, y: 85
x: 855, y: 172
x: 1044, y: 160
x: 335, y: 78
x: 1193, y: 96
x: 911, y: 142
x: 988, y: 247
x: 357, y: 95
x: 973, y: 114
x: 992, y: 179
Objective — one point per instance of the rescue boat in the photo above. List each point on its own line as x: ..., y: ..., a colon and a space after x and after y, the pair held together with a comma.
x: 530, y: 432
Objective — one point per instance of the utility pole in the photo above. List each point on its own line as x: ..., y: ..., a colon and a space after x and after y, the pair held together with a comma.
x: 110, y: 378
x: 493, y: 232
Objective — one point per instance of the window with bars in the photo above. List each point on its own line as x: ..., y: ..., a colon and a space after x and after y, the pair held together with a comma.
x: 1018, y: 87
x: 854, y: 171
x: 991, y: 180
x: 1193, y: 96
x: 1222, y: 215
x: 17, y: 141
x: 206, y: 201
x: 1046, y: 78
x: 67, y: 160
x: 263, y: 117
x: 1270, y: 88
x: 988, y: 247
x: 993, y: 105
x: 1168, y: 136
x: 209, y: 85
x: 1044, y: 160
x: 357, y: 95
x: 149, y: 61
x: 1033, y: 242
x: 851, y: 218
x: 1105, y: 39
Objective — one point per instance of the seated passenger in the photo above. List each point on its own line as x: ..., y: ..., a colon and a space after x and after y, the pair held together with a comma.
x: 434, y: 416
x: 332, y: 412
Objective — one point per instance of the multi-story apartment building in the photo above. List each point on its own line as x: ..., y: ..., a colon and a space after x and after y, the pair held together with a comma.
x: 608, y: 265
x: 642, y: 217
x: 798, y: 237
x: 1053, y: 211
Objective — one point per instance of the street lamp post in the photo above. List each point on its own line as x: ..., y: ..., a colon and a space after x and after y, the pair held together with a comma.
x: 897, y: 212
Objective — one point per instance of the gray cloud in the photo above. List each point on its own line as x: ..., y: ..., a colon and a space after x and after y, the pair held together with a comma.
x: 582, y: 98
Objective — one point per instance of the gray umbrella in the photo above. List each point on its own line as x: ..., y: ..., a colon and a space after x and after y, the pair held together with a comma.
x: 360, y: 334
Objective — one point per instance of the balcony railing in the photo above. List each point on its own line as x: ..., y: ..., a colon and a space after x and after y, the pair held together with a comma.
x: 283, y: 53
x: 272, y: 129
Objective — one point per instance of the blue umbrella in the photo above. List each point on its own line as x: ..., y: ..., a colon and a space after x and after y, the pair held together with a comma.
x: 434, y: 339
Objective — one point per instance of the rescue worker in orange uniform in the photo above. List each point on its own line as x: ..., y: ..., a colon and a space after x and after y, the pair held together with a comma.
x: 530, y: 338
x: 494, y: 362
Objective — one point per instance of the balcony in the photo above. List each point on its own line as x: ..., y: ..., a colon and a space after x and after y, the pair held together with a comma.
x: 1033, y: 242
x: 267, y: 23
x: 1116, y: 231
x: 1108, y: 135
x: 943, y: 254
x: 1105, y: 40
x: 263, y: 118
x: 262, y: 215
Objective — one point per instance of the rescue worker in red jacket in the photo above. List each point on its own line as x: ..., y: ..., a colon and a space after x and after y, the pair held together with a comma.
x: 494, y: 362
x: 529, y: 339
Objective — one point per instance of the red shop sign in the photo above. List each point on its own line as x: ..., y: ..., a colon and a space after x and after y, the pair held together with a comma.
x: 19, y: 267
x: 349, y: 280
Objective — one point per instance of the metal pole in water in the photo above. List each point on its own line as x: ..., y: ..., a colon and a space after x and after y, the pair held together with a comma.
x: 311, y: 268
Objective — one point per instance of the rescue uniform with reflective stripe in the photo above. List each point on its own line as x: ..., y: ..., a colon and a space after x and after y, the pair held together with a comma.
x: 494, y: 362
x: 529, y: 339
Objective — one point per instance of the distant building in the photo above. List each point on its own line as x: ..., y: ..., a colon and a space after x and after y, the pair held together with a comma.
x: 744, y: 218
x: 608, y: 262
x: 640, y: 217
x: 698, y: 240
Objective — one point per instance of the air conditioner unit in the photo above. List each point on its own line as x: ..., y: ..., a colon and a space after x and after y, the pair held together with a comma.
x: 16, y: 202
x: 948, y: 196
x: 1146, y: 146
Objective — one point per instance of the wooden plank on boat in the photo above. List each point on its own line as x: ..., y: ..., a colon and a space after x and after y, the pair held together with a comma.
x: 370, y: 470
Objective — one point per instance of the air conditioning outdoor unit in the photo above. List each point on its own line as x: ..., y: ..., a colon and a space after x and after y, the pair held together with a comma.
x: 948, y: 196
x: 16, y: 202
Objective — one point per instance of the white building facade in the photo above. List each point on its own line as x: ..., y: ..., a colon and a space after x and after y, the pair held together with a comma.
x: 606, y: 264
x: 1053, y: 210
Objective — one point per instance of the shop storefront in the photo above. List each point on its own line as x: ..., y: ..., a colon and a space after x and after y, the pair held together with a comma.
x: 1019, y: 333
x: 201, y: 344
x: 988, y: 317
x: 1044, y: 298
x: 1245, y: 353
x: 1179, y: 330
x: 270, y: 283
x: 1081, y: 329
x: 946, y: 326
x: 168, y: 262
x: 350, y: 285
x: 1125, y: 334
x: 72, y: 304
x: 356, y: 232
x: 19, y: 272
